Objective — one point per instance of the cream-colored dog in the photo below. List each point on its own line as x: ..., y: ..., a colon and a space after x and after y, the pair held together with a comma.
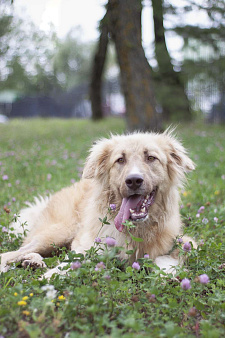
x: 140, y: 173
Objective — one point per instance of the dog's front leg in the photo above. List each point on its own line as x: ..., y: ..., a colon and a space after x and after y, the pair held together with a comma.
x: 27, y: 254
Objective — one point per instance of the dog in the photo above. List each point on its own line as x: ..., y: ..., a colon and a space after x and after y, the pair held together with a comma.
x: 140, y: 174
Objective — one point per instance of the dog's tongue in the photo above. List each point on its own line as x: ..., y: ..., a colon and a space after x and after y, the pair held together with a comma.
x: 124, y: 213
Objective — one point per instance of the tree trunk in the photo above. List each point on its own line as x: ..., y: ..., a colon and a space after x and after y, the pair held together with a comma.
x: 125, y: 29
x: 171, y: 91
x: 97, y: 72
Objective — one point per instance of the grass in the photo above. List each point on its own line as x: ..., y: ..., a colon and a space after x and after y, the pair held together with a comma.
x: 42, y: 156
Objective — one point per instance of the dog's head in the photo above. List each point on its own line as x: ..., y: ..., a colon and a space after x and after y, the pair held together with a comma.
x: 136, y: 168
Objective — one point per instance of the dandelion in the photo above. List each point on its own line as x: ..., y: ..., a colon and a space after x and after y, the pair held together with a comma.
x: 25, y: 298
x: 203, y: 279
x: 98, y: 240
x: 112, y: 207
x: 15, y: 294
x: 31, y: 294
x: 205, y: 220
x: 61, y: 297
x: 100, y: 266
x: 187, y: 247
x: 111, y: 242
x: 146, y: 256
x: 136, y: 266
x: 22, y: 303
x: 217, y: 192
x: 5, y: 177
x: 185, y: 284
x: 75, y: 265
x: 26, y: 313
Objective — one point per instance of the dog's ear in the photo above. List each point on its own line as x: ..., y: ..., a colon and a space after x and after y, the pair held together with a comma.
x: 97, y: 163
x: 178, y: 161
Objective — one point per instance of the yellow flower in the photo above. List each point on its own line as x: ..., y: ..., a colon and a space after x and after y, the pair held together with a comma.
x: 22, y: 303
x: 25, y: 298
x: 26, y: 313
x: 31, y: 294
x: 15, y: 294
x: 217, y: 192
x: 61, y: 297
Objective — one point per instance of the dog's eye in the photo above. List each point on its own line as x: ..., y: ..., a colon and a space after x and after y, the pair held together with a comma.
x: 151, y: 158
x: 120, y: 160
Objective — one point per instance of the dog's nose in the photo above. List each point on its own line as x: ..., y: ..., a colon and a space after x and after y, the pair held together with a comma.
x: 134, y: 181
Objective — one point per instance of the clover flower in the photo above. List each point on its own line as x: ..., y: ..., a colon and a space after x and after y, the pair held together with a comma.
x: 111, y: 242
x: 192, y: 312
x: 201, y: 209
x: 205, y: 220
x: 100, y: 266
x: 136, y: 266
x: 107, y: 277
x: 203, y: 279
x: 146, y: 256
x: 112, y: 207
x: 185, y: 284
x: 51, y: 292
x: 98, y: 240
x: 4, y: 229
x: 215, y: 219
x: 187, y: 247
x: 5, y: 177
x: 180, y: 240
x: 75, y: 265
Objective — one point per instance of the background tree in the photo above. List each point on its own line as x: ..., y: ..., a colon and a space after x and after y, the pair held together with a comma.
x: 204, y: 51
x: 97, y: 72
x: 124, y: 24
x: 170, y: 88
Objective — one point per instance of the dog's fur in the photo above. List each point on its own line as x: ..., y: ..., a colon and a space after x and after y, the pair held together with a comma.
x: 71, y: 216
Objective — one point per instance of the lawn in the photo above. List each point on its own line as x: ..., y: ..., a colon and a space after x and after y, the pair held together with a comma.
x: 42, y: 156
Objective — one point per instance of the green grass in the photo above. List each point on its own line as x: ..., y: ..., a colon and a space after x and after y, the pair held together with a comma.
x: 42, y: 156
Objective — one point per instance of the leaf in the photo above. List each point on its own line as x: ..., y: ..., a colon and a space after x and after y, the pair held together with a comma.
x: 136, y: 239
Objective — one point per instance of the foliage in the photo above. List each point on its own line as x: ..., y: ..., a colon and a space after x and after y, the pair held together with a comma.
x: 111, y: 298
x: 72, y: 60
x: 204, y: 54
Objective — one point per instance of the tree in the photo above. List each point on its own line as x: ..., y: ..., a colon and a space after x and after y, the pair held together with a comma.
x: 98, y: 69
x: 123, y: 22
x: 204, y: 49
x: 169, y: 84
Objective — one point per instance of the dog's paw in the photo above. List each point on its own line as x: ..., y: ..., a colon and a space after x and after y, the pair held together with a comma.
x: 4, y: 268
x: 33, y: 260
x: 57, y: 270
